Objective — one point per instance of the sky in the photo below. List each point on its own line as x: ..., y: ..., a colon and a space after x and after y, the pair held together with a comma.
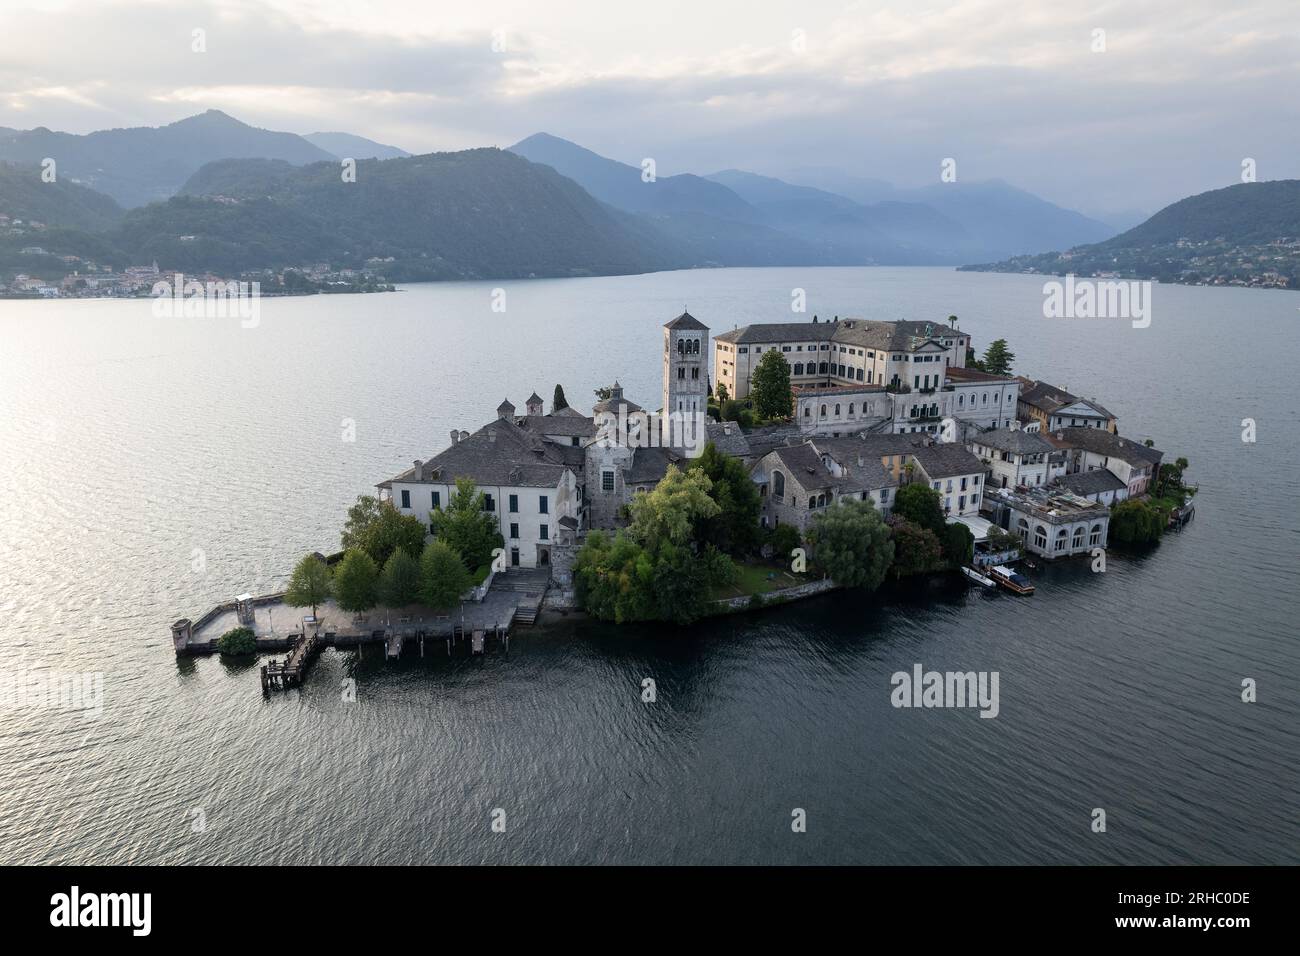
x: 1166, y: 101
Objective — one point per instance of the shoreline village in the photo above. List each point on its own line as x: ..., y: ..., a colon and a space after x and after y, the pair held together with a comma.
x: 784, y: 460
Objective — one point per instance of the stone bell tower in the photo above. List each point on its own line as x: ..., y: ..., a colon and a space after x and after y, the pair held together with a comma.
x: 686, y: 365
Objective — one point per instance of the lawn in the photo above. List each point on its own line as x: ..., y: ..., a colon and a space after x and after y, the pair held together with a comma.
x: 759, y: 579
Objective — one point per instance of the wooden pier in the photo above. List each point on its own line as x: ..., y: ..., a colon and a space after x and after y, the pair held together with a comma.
x: 290, y: 672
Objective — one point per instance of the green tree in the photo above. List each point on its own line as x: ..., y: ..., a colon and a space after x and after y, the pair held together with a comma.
x: 770, y: 387
x: 379, y: 529
x: 735, y: 528
x: 670, y: 512
x: 399, y: 582
x: 309, y: 585
x: 1134, y: 522
x: 998, y: 358
x: 851, y: 543
x: 916, y: 549
x: 558, y: 401
x: 919, y: 504
x: 784, y: 538
x: 958, y: 544
x: 356, y: 581
x: 723, y: 394
x: 465, y: 525
x: 443, y: 576
x: 237, y: 642
x: 614, y: 578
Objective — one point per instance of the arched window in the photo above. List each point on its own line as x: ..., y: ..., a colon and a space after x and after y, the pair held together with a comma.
x: 1079, y: 532
x: 778, y: 484
x: 1062, y: 537
x: 807, y: 410
x: 850, y: 409
x: 812, y: 503
x: 837, y: 409
x: 822, y: 368
x: 681, y: 346
x: 823, y: 411
x: 821, y: 501
x: 798, y: 368
x: 1095, y: 536
x: 1022, y: 529
x: 1040, y: 537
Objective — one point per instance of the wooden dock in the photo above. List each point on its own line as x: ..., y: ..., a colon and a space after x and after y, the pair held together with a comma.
x: 290, y: 672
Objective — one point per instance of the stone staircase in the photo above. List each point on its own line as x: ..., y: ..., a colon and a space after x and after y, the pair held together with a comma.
x: 529, y: 585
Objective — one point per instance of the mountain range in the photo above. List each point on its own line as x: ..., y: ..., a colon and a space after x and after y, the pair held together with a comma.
x: 212, y: 193
x: 1245, y: 234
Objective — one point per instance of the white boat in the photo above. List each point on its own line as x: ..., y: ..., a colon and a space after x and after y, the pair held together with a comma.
x: 977, y: 577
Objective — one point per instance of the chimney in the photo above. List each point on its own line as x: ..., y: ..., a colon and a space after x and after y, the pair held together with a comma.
x: 419, y: 469
x: 464, y: 435
x: 455, y: 436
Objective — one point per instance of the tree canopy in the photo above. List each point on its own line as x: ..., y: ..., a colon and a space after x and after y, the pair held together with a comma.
x: 309, y: 585
x: 919, y: 504
x: 851, y: 542
x: 443, y: 576
x: 466, y: 527
x: 1135, y: 522
x: 998, y: 358
x: 916, y: 549
x: 770, y: 386
x: 399, y: 582
x: 356, y: 581
x: 734, y: 528
x: 379, y: 529
x: 558, y: 401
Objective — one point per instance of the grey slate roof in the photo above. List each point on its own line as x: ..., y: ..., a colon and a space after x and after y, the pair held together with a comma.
x: 1048, y: 398
x: 729, y: 438
x: 805, y: 465
x: 572, y: 425
x: 651, y: 464
x: 900, y: 336
x: 1018, y: 442
x: 778, y: 332
x: 947, y: 460
x: 1090, y: 482
x: 499, y: 453
x: 1101, y: 442
x: 686, y: 321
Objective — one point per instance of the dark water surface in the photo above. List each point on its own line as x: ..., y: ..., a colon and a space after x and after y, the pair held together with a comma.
x: 153, y: 467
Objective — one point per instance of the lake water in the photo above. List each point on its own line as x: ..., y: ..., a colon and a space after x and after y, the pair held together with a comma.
x: 153, y: 467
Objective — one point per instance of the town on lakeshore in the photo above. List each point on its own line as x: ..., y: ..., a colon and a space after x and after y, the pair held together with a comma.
x: 784, y: 459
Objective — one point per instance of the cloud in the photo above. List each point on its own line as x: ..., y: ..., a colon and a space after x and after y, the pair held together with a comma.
x: 1182, y: 92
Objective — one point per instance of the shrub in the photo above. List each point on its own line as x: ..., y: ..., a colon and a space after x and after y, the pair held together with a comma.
x: 237, y: 642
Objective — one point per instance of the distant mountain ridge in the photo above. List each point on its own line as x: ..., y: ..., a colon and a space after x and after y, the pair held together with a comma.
x: 145, y: 164
x: 25, y: 195
x: 877, y: 223
x: 348, y: 146
x: 1245, y: 234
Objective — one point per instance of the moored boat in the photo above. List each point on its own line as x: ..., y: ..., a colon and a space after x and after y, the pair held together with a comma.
x: 1011, y: 579
x: 977, y: 577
